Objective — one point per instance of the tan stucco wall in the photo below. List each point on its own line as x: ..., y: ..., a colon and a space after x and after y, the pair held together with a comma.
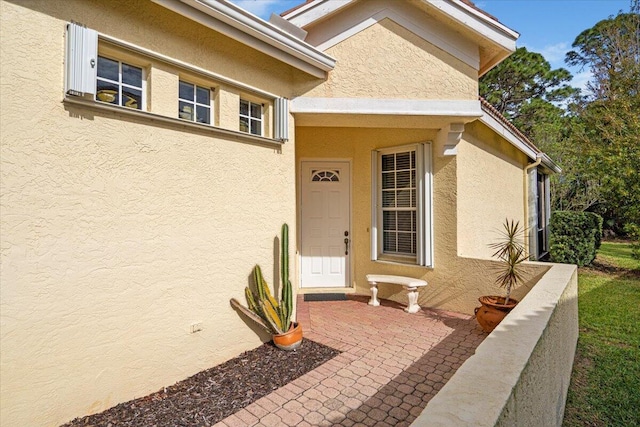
x: 490, y: 189
x: 388, y: 61
x: 455, y: 282
x: 119, y: 232
x: 520, y: 374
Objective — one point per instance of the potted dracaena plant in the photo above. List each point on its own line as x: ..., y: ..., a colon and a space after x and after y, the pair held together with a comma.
x: 510, y: 251
x: 274, y: 315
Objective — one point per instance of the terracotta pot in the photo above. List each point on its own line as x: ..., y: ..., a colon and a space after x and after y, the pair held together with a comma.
x: 492, y: 311
x: 291, y: 339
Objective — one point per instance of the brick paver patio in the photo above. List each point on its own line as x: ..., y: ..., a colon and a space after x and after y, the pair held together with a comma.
x: 392, y: 364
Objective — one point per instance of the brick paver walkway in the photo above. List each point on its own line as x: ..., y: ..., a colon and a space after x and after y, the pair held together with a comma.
x: 392, y: 364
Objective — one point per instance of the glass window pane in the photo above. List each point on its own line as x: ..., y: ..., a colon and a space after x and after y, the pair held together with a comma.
x: 388, y: 180
x: 414, y: 245
x: 388, y: 162
x: 389, y: 242
x: 403, y: 179
x: 107, y: 92
x: 389, y: 199
x: 389, y: 221
x: 244, y: 124
x: 202, y: 95
x: 413, y: 160
x: 405, y: 221
x: 256, y: 110
x: 108, y: 68
x: 202, y: 114
x: 132, y: 98
x: 185, y: 110
x: 131, y: 75
x: 256, y: 127
x: 403, y: 161
x: 244, y: 109
x: 404, y: 199
x: 185, y: 91
x: 405, y: 244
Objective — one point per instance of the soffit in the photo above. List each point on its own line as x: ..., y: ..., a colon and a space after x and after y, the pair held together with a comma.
x: 228, y: 19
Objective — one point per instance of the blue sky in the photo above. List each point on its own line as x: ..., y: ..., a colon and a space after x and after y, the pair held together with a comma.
x: 548, y: 27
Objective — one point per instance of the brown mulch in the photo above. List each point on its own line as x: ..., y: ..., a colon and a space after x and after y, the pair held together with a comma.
x: 212, y: 395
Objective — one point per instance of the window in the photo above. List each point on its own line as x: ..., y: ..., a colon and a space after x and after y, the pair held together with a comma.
x: 543, y: 207
x: 399, y: 203
x: 401, y: 192
x: 194, y: 103
x: 119, y: 83
x: 101, y: 69
x: 250, y: 117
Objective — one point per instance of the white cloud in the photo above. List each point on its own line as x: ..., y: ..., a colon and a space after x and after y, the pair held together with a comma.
x: 553, y: 53
x: 581, y: 79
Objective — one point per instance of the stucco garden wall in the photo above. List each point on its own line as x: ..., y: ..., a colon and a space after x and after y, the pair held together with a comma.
x: 490, y: 189
x: 520, y: 373
x: 119, y: 232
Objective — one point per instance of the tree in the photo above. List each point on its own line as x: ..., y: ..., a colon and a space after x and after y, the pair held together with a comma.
x: 611, y: 50
x: 608, y: 133
x: 534, y: 97
x: 524, y: 86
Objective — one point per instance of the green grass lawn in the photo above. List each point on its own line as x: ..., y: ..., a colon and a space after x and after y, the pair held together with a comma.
x: 605, y: 383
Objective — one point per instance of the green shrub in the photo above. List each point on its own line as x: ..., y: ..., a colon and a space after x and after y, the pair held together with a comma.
x: 575, y: 237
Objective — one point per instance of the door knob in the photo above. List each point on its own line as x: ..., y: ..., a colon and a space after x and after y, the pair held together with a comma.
x: 346, y: 245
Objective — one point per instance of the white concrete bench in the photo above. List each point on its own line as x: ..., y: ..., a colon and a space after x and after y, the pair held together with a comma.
x: 410, y: 284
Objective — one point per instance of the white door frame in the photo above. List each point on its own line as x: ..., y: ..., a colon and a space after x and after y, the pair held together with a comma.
x: 349, y: 268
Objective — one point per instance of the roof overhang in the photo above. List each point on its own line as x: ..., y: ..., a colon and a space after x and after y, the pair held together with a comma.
x: 499, y: 125
x: 495, y: 40
x: 383, y: 113
x: 226, y: 18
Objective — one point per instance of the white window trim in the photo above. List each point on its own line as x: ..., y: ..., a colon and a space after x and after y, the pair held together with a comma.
x: 424, y: 205
x: 195, y: 102
x: 121, y: 85
x: 250, y: 117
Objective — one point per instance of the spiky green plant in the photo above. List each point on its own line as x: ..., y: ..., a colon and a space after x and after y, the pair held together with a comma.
x: 511, y: 252
x: 273, y: 315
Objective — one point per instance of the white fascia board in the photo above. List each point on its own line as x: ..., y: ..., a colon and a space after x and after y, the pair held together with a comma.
x: 398, y: 107
x: 457, y: 10
x: 480, y: 23
x: 507, y: 134
x: 314, y: 10
x: 234, y: 22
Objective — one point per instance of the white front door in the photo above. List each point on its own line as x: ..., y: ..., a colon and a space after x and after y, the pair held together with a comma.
x: 325, y: 235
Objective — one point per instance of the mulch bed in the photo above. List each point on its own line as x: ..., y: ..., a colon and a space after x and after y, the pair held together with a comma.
x: 212, y: 395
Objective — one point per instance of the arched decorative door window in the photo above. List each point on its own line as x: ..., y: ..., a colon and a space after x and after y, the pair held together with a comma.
x: 325, y: 176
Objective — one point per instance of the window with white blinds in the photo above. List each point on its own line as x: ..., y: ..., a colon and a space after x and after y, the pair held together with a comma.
x: 401, y: 213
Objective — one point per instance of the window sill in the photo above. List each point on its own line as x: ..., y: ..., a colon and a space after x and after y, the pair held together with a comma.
x: 153, y: 117
x: 401, y: 261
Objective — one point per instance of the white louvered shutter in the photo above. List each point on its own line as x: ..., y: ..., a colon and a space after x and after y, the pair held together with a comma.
x: 81, y: 60
x: 281, y: 115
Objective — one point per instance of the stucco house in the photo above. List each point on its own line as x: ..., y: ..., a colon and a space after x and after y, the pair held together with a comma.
x: 151, y: 150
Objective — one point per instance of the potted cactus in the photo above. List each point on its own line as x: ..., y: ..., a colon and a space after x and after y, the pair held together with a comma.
x: 274, y: 315
x: 510, y: 251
